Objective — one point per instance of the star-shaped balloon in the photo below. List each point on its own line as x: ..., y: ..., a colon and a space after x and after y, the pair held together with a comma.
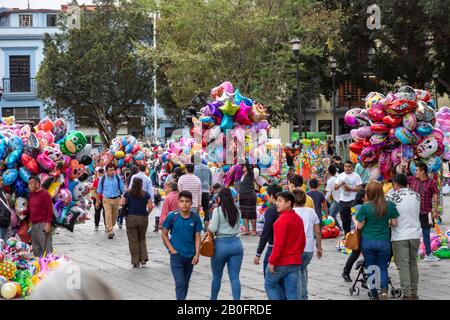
x: 229, y: 109
x: 227, y: 123
x: 238, y: 99
x: 213, y: 109
x: 241, y: 115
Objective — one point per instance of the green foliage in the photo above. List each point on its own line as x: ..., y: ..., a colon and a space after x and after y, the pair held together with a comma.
x: 95, y: 72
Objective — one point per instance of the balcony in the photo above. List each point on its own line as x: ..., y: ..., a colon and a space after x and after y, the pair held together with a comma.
x: 20, y: 88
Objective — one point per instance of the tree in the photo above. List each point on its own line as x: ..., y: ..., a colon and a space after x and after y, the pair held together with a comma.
x: 96, y: 72
x: 204, y: 43
x: 414, y: 41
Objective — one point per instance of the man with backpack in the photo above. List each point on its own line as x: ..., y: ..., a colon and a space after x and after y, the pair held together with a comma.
x: 184, y: 243
x: 111, y: 187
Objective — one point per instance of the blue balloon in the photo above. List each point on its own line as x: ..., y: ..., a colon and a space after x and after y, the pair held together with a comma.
x: 12, y: 159
x: 10, y: 176
x: 3, y: 148
x: 129, y: 148
x: 121, y: 162
x: 21, y: 188
x: 15, y: 143
x: 139, y: 155
x: 124, y: 141
x: 227, y: 123
x: 24, y: 174
x: 424, y: 129
x: 238, y: 99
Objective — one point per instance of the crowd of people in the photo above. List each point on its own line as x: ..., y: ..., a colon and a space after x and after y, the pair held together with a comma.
x: 391, y: 221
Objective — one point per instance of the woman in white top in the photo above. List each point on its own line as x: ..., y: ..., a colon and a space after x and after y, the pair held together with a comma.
x: 228, y: 249
x: 312, y: 227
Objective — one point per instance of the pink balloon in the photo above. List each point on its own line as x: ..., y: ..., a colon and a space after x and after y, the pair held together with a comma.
x: 241, y: 115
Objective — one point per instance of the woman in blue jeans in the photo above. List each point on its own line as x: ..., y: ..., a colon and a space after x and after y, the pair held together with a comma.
x: 228, y: 250
x: 373, y: 219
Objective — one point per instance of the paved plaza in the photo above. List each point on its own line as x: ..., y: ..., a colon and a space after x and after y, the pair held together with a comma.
x: 110, y: 259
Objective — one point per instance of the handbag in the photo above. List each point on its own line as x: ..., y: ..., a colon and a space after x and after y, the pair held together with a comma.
x: 23, y: 232
x: 207, y: 245
x: 353, y: 240
x: 124, y: 210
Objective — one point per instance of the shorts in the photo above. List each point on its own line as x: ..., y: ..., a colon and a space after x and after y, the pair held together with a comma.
x: 205, y: 205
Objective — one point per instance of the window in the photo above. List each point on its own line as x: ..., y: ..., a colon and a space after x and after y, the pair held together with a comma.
x: 350, y: 96
x: 25, y: 20
x: 326, y: 126
x: 343, y: 128
x: 23, y: 113
x: 51, y: 20
x: 19, y: 73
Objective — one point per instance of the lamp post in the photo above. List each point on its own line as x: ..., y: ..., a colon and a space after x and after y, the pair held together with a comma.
x: 296, y: 49
x: 435, y: 79
x: 333, y: 67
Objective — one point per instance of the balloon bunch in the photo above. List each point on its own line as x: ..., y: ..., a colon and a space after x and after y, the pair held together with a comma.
x: 127, y: 150
x: 20, y: 270
x: 48, y: 151
x: 329, y: 229
x: 396, y: 127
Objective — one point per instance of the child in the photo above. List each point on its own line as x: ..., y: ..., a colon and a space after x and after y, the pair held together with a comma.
x: 157, y: 209
x: 320, y: 203
x: 212, y: 202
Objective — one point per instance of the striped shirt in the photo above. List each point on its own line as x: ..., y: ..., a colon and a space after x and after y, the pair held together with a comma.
x: 192, y: 183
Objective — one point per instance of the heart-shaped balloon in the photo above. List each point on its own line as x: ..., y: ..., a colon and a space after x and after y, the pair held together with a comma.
x: 392, y: 120
x: 376, y: 114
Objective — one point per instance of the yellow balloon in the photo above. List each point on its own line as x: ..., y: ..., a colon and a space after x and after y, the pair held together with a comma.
x: 54, y: 188
x: 353, y: 157
x: 9, y: 290
x: 119, y: 154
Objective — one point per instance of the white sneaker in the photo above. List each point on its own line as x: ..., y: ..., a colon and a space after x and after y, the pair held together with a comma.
x: 431, y: 258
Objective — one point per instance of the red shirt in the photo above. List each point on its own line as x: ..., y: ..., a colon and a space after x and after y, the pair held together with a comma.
x: 426, y: 189
x: 289, y: 240
x: 95, y: 187
x: 170, y: 204
x: 40, y: 207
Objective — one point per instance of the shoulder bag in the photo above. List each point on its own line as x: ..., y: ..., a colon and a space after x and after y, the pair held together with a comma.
x: 207, y: 245
x: 353, y: 240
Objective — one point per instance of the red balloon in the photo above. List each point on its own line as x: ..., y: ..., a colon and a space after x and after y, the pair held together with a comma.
x: 401, y: 107
x: 392, y: 121
x: 326, y: 232
x: 376, y: 114
x: 379, y: 128
x: 30, y: 163
x: 335, y: 232
x: 191, y: 131
x: 356, y: 147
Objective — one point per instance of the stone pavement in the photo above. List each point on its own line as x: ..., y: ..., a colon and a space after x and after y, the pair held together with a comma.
x: 110, y: 259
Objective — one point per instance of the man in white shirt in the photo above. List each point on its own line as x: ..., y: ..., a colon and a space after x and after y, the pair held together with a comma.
x: 406, y: 235
x: 147, y: 185
x: 332, y: 195
x: 349, y: 183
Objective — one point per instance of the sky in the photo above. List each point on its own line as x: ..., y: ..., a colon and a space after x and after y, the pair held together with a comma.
x: 38, y: 4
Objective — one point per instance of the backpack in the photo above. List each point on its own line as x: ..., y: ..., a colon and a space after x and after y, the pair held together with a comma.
x: 175, y: 217
x: 102, y: 182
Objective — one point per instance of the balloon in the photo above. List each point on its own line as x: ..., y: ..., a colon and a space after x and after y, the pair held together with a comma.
x: 15, y: 144
x: 229, y: 109
x: 24, y: 174
x: 434, y: 164
x: 45, y: 162
x: 406, y: 93
x: 401, y: 107
x: 429, y: 146
x: 119, y: 154
x: 356, y: 147
x: 378, y: 140
x: 54, y: 188
x: 74, y: 142
x: 372, y: 99
x: 403, y: 135
x: 25, y: 133
x: 376, y: 114
x: 12, y: 159
x: 422, y: 95
x: 424, y: 129
x: 242, y: 114
x: 21, y: 188
x: 350, y: 117
x: 392, y: 121
x: 65, y: 195
x: 45, y: 125
x: 59, y: 129
x: 258, y: 113
x: 225, y: 87
x: 9, y: 290
x: 227, y: 123
x: 54, y: 153
x: 409, y: 121
x: 86, y: 160
x: 368, y: 155
x: 423, y: 112
x: 353, y: 157
x: 239, y: 100
x: 379, y: 128
x: 76, y: 169
x: 10, y: 176
x: 385, y: 162
x: 86, y: 151
x: 32, y: 146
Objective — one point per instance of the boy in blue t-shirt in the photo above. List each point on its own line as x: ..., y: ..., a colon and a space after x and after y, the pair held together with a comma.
x: 184, y: 243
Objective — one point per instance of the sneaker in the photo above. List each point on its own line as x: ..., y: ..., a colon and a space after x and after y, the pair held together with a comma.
x: 431, y: 258
x: 96, y: 228
x: 120, y: 226
x: 111, y: 236
x: 346, y: 277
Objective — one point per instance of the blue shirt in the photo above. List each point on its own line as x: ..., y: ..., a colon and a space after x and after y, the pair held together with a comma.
x: 110, y: 189
x: 183, y: 232
x: 147, y: 185
x: 138, y: 206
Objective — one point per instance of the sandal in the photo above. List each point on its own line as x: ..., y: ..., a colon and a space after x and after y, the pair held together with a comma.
x: 253, y: 233
x: 245, y: 233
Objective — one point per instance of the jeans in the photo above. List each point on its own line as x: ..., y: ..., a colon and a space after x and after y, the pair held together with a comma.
x: 377, y: 254
x: 405, y: 256
x: 426, y: 240
x: 334, y: 209
x: 227, y: 251
x: 302, y: 286
x: 346, y: 215
x: 282, y: 293
x: 120, y: 220
x: 181, y: 268
x: 4, y: 233
x: 289, y: 275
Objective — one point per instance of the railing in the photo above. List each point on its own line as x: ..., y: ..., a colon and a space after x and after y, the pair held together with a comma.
x: 19, y: 84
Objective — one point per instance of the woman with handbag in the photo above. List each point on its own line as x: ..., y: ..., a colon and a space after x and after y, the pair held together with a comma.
x: 373, y: 219
x: 228, y: 247
x: 137, y: 206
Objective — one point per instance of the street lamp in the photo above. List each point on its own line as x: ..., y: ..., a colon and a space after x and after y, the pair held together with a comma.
x: 296, y: 49
x: 435, y: 79
x: 333, y: 67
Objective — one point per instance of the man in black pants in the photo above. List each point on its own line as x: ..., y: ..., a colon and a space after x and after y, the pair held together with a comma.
x: 349, y: 183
